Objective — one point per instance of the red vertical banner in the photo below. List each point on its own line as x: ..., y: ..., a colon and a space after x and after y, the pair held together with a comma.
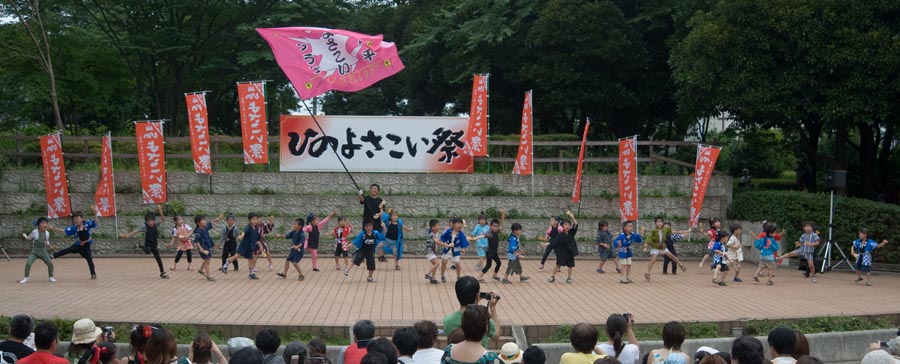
x: 55, y: 181
x: 576, y: 192
x: 152, y: 159
x: 524, y: 164
x: 252, y: 101
x: 628, y: 193
x: 105, y: 196
x: 478, y: 114
x: 199, y: 127
x: 706, y: 162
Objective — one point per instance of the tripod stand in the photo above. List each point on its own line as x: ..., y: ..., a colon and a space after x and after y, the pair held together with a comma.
x: 831, y: 245
x: 4, y: 253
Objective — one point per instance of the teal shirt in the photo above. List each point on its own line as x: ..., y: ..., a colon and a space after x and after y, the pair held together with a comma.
x: 454, y: 320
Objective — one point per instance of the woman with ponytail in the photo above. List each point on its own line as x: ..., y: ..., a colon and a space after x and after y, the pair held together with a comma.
x: 161, y: 347
x: 137, y: 339
x: 107, y: 352
x: 618, y: 329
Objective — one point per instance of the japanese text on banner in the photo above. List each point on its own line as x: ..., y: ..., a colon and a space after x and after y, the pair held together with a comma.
x: 478, y: 117
x: 55, y: 179
x: 375, y: 144
x: 706, y: 162
x: 523, y: 164
x: 105, y: 196
x: 152, y: 159
x: 628, y: 194
x: 254, y: 134
x: 199, y: 127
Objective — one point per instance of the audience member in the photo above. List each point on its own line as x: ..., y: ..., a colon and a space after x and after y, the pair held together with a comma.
x: 298, y: 349
x: 475, y: 322
x: 583, y: 338
x: 607, y: 360
x: 236, y: 344
x: 806, y: 359
x: 467, y: 293
x: 161, y: 347
x: 375, y: 358
x: 318, y: 352
x: 137, y: 339
x: 617, y: 328
x: 534, y: 355
x: 363, y: 332
x: 427, y: 353
x: 108, y: 351
x: 202, y: 349
x: 84, y: 335
x: 13, y: 349
x: 673, y: 334
x: 384, y: 346
x: 510, y: 353
x: 268, y: 341
x: 873, y: 357
x: 406, y: 339
x: 801, y: 346
x: 781, y: 343
x: 712, y: 359
x: 455, y: 337
x: 46, y: 341
x: 747, y: 350
x: 702, y: 352
x: 248, y: 355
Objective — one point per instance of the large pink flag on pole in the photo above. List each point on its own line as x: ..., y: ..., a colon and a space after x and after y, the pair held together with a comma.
x: 318, y: 60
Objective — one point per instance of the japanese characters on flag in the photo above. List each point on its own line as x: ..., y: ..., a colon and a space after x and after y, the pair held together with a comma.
x: 318, y: 60
x: 576, y: 192
x: 254, y: 133
x: 478, y: 114
x: 523, y: 164
x: 105, y: 196
x: 199, y: 127
x: 55, y: 180
x: 628, y: 194
x: 152, y: 159
x: 706, y: 162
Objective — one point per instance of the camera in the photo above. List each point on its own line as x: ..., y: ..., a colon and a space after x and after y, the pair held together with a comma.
x: 628, y: 317
x: 883, y: 344
x: 109, y: 333
x: 487, y: 295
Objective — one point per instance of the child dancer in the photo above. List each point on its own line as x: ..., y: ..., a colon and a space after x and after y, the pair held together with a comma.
x: 675, y: 236
x: 566, y: 249
x: 298, y: 237
x: 735, y: 252
x: 719, y: 261
x: 806, y: 247
x: 656, y: 242
x: 393, y: 236
x: 456, y: 242
x: 481, y: 228
x: 714, y: 226
x: 182, y: 233
x: 491, y: 253
x: 768, y: 247
x: 265, y: 228
x: 81, y: 231
x: 312, y: 229
x: 248, y: 246
x: 229, y: 241
x: 431, y: 244
x: 861, y: 250
x: 342, y: 246
x: 551, y: 233
x: 205, y: 243
x: 622, y: 244
x: 365, y: 244
x: 151, y: 239
x: 40, y: 242
x: 514, y: 255
x: 604, y: 247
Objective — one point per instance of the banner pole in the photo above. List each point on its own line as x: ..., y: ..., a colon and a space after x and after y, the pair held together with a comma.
x: 487, y: 150
x: 531, y: 147
x: 336, y: 154
x: 266, y: 108
x: 112, y: 179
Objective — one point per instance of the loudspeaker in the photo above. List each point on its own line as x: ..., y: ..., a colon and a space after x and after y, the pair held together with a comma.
x: 836, y: 179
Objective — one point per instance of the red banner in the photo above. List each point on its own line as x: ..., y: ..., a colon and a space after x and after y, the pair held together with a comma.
x: 199, y: 127
x: 105, y: 196
x: 523, y: 164
x: 576, y: 192
x: 152, y: 159
x: 55, y: 181
x: 706, y: 162
x: 252, y: 100
x: 478, y: 112
x: 628, y: 193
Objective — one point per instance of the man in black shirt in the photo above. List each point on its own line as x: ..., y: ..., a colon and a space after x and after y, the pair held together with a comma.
x: 373, y: 207
x: 13, y: 350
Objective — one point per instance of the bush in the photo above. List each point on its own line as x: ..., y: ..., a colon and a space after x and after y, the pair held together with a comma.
x: 819, y: 324
x: 791, y: 209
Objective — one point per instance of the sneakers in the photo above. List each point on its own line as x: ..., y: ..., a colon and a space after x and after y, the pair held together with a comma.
x: 814, y: 280
x: 428, y: 277
x: 769, y: 283
x: 224, y: 269
x: 495, y: 278
x: 453, y: 267
x: 346, y: 272
x: 647, y: 276
x: 397, y: 267
x: 93, y: 277
x: 568, y: 280
x: 600, y: 270
x: 443, y: 279
x: 478, y: 267
x: 281, y: 275
x: 858, y: 280
x: 162, y: 275
x: 381, y: 258
x: 253, y: 276
x: 755, y: 279
x: 552, y: 279
x: 618, y: 270
x: 24, y: 280
x: 736, y: 279
x: 541, y: 267
x: 868, y: 284
x: 806, y: 274
x: 370, y: 279
x: 301, y: 278
x: 722, y: 283
x: 315, y: 269
x: 208, y: 278
x: 433, y: 281
x: 52, y: 279
x: 524, y: 279
x: 337, y: 267
x: 505, y: 281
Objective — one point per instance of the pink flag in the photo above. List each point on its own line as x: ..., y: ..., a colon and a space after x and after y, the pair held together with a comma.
x: 318, y: 60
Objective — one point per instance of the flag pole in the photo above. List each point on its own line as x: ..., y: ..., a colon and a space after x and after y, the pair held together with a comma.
x: 336, y: 154
x: 487, y: 86
x: 112, y: 179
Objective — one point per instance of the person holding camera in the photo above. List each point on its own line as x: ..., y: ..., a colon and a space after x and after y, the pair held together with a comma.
x: 468, y: 292
x: 474, y: 322
x: 619, y: 327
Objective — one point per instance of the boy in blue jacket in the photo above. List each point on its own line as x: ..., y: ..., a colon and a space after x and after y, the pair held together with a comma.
x: 365, y: 244
x: 768, y: 247
x: 622, y: 244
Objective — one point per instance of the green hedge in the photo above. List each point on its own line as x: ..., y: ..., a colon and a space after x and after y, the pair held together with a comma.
x: 791, y: 209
